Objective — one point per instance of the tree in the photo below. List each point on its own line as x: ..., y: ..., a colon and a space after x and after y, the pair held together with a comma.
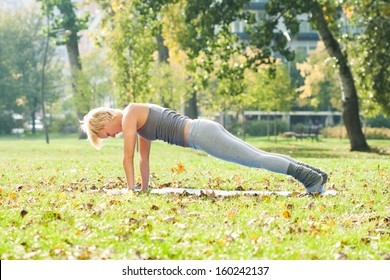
x: 322, y: 21
x: 369, y: 51
x: 321, y: 86
x: 269, y: 93
x: 131, y: 44
x: 173, y: 29
x: 204, y: 19
x: 323, y: 17
x: 207, y: 20
x: 93, y: 81
x: 63, y: 18
x: 21, y: 55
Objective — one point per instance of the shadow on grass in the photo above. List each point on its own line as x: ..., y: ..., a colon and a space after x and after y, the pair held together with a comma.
x: 327, y: 148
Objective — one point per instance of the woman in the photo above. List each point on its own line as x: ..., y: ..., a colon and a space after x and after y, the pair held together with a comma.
x: 153, y: 122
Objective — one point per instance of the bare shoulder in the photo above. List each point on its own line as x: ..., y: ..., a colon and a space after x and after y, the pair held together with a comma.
x: 136, y: 113
x: 135, y: 108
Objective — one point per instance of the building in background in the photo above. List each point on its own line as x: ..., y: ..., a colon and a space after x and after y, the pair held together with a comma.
x: 305, y: 40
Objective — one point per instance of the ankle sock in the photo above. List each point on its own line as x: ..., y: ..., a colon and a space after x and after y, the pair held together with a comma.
x: 312, y: 180
x: 319, y: 171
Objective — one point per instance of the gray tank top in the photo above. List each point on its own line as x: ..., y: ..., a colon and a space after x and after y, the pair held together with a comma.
x: 164, y: 124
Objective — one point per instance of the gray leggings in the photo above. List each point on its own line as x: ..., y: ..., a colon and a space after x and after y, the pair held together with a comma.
x: 214, y: 139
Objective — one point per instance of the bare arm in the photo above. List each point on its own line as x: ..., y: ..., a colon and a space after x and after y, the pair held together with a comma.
x: 129, y: 124
x: 144, y: 152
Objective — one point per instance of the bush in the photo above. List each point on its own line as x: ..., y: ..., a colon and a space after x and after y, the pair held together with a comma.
x: 6, y: 122
x: 379, y: 121
x: 259, y: 128
x: 69, y: 124
x: 370, y: 132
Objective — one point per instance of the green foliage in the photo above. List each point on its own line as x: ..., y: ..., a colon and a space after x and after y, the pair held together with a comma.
x: 222, y: 59
x: 64, y: 25
x: 131, y: 42
x: 321, y: 89
x: 21, y: 56
x: 93, y: 83
x: 67, y: 21
x: 214, y: 54
x: 370, y: 52
x: 6, y: 122
x: 265, y: 128
x: 168, y: 87
x: 66, y: 125
x: 379, y: 121
x: 267, y: 91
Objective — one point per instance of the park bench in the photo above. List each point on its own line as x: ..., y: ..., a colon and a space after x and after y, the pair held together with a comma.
x: 308, y: 132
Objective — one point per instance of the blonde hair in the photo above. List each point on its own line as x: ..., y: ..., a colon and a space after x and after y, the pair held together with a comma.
x: 94, y: 121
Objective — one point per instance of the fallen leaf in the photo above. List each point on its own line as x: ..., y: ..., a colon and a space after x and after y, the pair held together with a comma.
x: 325, y: 228
x: 23, y: 213
x: 245, y: 198
x: 254, y: 237
x: 179, y: 168
x: 265, y: 198
x: 84, y: 256
x: 52, y: 216
x: 89, y: 205
x: 309, y: 206
x: 231, y: 214
x: 237, y: 179
x: 286, y: 214
x: 341, y: 244
x: 294, y: 194
x: 207, y: 251
x: 223, y: 242
x: 341, y: 256
x: 365, y: 240
x: 52, y: 179
x: 114, y: 202
x: 132, y: 221
x: 171, y: 219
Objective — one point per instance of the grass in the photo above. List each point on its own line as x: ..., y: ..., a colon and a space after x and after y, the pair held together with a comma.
x: 53, y: 207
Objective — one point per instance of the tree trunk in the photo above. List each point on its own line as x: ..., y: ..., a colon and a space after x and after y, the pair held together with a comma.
x: 33, y: 119
x: 33, y: 130
x: 72, y: 47
x: 163, y: 52
x: 75, y: 65
x: 191, y: 107
x: 348, y: 90
x: 163, y: 55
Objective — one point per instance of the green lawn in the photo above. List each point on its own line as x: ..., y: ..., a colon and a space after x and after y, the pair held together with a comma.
x: 53, y: 207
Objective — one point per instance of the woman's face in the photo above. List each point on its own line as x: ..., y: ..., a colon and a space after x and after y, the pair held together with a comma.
x: 110, y: 129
